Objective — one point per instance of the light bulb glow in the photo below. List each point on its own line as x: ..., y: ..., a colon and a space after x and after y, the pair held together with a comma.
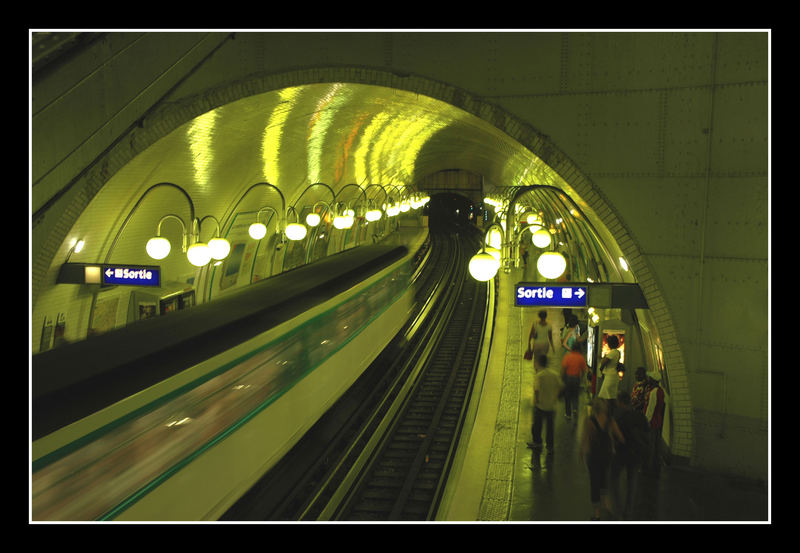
x: 296, y: 231
x: 257, y: 231
x: 623, y: 264
x: 199, y: 254
x: 342, y: 222
x: 541, y: 238
x: 494, y: 252
x: 158, y: 247
x: 312, y: 219
x: 551, y: 264
x: 373, y: 215
x: 495, y: 239
x: 483, y: 266
x: 219, y: 247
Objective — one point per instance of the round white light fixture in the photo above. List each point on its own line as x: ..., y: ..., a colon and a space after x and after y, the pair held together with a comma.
x: 158, y: 247
x: 219, y: 248
x: 257, y: 231
x: 483, y: 266
x: 495, y: 239
x: 199, y: 254
x: 312, y: 219
x: 392, y: 210
x: 551, y: 264
x: 541, y: 238
x: 342, y: 222
x: 372, y: 215
x: 533, y: 218
x: 296, y: 231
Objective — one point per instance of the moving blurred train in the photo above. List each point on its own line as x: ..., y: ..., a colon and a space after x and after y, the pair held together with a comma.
x: 174, y: 418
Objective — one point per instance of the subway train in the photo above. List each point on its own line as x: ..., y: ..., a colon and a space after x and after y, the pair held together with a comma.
x: 174, y: 418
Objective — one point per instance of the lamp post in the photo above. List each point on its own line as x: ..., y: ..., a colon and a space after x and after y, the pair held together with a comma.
x: 483, y: 265
x: 550, y: 265
x: 159, y: 247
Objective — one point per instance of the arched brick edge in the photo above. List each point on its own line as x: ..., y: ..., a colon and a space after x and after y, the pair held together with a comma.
x: 167, y: 117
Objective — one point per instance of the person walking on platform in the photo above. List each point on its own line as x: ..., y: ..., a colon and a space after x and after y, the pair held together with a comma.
x: 573, y: 370
x: 542, y: 336
x: 654, y: 412
x: 596, y: 452
x: 608, y: 371
x: 628, y: 456
x: 547, y: 388
x: 569, y: 334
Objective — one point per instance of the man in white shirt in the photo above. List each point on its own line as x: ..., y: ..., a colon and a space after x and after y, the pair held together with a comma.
x: 547, y: 387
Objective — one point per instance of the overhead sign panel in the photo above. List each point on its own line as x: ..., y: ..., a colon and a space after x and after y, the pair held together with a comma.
x: 100, y: 273
x: 132, y: 275
x: 546, y: 295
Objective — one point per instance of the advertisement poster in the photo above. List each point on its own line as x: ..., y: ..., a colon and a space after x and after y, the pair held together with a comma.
x: 147, y: 310
x: 47, y: 334
x: 229, y: 274
x: 104, y: 317
x: 58, y: 331
x: 604, y: 346
x: 591, y: 333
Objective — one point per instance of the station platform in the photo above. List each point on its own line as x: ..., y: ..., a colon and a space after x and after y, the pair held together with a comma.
x: 497, y: 477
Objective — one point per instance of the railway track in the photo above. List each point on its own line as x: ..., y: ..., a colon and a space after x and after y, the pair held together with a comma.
x: 384, y: 451
x: 405, y: 479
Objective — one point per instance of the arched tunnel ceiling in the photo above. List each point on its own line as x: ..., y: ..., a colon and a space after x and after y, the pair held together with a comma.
x: 331, y: 133
x: 335, y: 133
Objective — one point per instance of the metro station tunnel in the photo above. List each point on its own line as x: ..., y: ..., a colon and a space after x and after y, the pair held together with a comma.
x: 335, y: 276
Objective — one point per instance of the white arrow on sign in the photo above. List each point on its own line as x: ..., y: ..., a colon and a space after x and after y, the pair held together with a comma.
x: 580, y: 292
x: 109, y: 272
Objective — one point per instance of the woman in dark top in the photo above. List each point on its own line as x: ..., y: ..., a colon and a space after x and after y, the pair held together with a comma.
x: 597, y: 451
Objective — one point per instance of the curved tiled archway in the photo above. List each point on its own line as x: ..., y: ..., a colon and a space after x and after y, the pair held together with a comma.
x: 551, y: 165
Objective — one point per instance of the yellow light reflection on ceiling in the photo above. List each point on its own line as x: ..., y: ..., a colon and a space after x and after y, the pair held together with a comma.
x: 366, y: 146
x: 319, y: 126
x: 273, y: 132
x: 199, y: 134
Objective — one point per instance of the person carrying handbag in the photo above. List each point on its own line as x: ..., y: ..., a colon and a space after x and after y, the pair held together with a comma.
x: 542, y: 337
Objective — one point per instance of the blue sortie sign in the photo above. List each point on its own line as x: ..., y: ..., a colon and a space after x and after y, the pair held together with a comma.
x: 545, y: 295
x: 131, y: 275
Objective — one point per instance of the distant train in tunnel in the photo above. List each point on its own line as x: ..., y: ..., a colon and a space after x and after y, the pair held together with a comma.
x: 447, y: 208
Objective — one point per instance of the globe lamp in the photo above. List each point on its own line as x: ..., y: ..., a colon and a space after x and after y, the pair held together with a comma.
x: 158, y: 247
x: 199, y: 254
x: 312, y: 219
x: 257, y: 231
x: 541, y: 238
x: 483, y: 266
x: 551, y: 264
x: 295, y: 231
x: 219, y: 248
